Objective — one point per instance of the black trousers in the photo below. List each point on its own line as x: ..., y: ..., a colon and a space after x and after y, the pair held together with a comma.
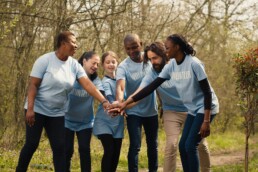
x: 112, y: 147
x: 84, y: 138
x: 54, y: 127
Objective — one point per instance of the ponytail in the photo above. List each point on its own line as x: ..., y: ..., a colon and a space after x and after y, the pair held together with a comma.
x: 183, y: 44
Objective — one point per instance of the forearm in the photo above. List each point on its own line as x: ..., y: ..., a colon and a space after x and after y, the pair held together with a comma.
x: 207, y: 115
x: 32, y: 92
x: 148, y: 89
x: 131, y: 104
x: 91, y: 89
x: 119, y: 95
x: 120, y: 88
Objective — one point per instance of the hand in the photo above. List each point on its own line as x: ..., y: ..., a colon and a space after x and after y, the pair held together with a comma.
x: 205, y: 129
x: 106, y: 105
x: 117, y: 109
x: 30, y: 117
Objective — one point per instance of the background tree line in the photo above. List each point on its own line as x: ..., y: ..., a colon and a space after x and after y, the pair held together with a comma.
x: 216, y: 28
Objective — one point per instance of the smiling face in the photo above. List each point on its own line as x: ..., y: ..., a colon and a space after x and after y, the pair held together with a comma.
x: 133, y: 49
x: 91, y: 65
x: 110, y: 64
x: 70, y: 45
x: 171, y: 48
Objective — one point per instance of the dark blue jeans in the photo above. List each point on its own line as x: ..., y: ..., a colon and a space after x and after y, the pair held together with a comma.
x: 84, y: 138
x: 150, y: 125
x: 54, y: 127
x: 189, y: 142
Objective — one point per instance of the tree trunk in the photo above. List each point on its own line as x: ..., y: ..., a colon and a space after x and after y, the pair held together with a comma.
x: 247, y: 147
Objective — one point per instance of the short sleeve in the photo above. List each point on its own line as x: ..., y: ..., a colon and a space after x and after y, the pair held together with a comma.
x: 120, y: 73
x: 80, y: 72
x: 97, y: 82
x: 39, y: 67
x: 199, y: 71
x: 166, y: 71
x: 148, y: 78
x: 107, y: 88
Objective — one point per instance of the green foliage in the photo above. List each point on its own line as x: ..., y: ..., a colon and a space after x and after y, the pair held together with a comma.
x: 246, y: 66
x: 246, y: 74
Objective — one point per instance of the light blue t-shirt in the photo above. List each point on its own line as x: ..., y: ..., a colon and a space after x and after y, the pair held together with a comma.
x: 167, y: 92
x: 133, y: 74
x: 103, y: 123
x: 186, y: 77
x: 58, y: 78
x: 79, y: 114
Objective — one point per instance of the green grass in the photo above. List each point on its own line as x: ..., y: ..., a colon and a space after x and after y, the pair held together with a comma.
x: 253, y: 166
x: 226, y: 142
x: 219, y: 144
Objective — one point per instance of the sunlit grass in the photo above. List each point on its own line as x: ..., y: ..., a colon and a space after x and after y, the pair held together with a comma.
x: 219, y: 143
x: 226, y: 142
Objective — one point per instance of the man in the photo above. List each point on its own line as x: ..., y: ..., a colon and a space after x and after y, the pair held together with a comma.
x: 130, y: 73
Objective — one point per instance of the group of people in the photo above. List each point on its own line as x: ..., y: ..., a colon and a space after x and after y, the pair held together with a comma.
x: 62, y: 90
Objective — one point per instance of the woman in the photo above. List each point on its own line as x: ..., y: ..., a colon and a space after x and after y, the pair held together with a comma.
x: 195, y: 92
x: 79, y: 115
x: 110, y: 130
x: 51, y: 79
x: 174, y: 111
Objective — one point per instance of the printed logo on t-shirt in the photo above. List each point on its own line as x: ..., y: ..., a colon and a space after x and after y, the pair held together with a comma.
x: 138, y: 75
x: 79, y: 93
x: 167, y: 84
x: 181, y: 75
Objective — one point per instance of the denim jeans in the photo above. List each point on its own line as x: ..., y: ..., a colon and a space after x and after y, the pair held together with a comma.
x: 54, y: 127
x: 84, y: 137
x: 150, y: 125
x: 189, y: 142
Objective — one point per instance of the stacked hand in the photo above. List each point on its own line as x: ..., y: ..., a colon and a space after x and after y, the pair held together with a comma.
x: 106, y: 104
x: 117, y: 108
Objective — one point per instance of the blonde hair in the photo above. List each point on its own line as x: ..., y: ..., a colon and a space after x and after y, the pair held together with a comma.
x: 109, y: 53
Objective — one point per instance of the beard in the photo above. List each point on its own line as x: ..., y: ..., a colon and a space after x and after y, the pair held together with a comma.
x: 158, y: 67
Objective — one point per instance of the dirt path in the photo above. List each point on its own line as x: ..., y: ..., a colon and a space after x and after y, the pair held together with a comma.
x: 220, y: 159
x: 228, y: 158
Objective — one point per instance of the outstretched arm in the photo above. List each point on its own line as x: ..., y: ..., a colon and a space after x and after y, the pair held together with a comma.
x: 120, y: 88
x: 140, y: 95
x: 148, y: 89
x: 93, y: 91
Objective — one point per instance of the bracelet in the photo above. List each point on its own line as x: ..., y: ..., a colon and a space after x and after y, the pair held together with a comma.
x: 104, y: 101
x: 206, y: 120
